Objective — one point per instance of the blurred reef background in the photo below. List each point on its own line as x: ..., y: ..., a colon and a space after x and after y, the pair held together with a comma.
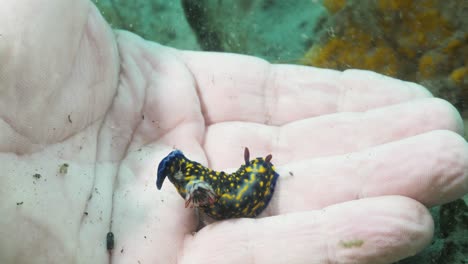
x: 424, y: 41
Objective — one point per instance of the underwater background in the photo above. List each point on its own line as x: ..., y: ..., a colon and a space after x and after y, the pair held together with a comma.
x: 424, y: 41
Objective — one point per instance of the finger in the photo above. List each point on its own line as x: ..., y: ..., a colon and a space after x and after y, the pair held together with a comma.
x: 328, y: 135
x: 243, y: 88
x: 374, y: 230
x: 431, y: 168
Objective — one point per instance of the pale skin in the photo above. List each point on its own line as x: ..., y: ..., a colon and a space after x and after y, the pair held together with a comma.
x: 360, y: 156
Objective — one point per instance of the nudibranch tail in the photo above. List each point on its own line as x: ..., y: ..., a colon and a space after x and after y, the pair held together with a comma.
x: 274, y: 180
x: 164, y: 168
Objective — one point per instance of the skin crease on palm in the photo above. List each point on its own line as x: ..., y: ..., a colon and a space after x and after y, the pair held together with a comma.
x: 360, y: 156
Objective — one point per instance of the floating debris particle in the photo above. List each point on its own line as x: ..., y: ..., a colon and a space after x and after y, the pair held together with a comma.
x: 352, y: 243
x: 86, y: 213
x: 69, y: 119
x: 63, y: 168
x: 291, y: 173
x: 122, y: 250
x: 110, y: 241
x: 19, y: 203
x: 37, y: 176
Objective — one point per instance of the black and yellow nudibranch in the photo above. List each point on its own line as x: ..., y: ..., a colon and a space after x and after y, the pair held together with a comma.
x: 244, y: 193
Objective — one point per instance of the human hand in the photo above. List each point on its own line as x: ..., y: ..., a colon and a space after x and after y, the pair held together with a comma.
x: 359, y: 154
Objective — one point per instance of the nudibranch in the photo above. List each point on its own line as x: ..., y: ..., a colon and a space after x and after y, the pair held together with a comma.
x: 243, y: 193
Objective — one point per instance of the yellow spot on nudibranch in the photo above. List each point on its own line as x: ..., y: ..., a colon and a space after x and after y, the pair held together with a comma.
x: 242, y: 191
x: 252, y: 177
x: 228, y: 196
x: 190, y: 178
x: 261, y: 169
x: 257, y: 206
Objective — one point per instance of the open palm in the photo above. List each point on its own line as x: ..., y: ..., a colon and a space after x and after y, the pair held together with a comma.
x: 359, y: 154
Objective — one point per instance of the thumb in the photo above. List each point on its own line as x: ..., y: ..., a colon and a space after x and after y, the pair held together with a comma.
x: 59, y: 69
